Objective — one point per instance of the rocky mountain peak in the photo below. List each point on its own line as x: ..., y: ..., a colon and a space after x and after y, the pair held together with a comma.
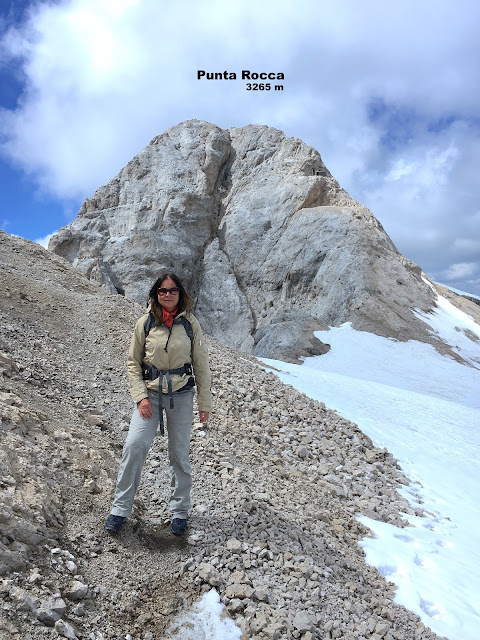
x: 264, y: 237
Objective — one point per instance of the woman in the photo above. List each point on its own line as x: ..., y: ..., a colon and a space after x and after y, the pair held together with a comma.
x: 165, y: 345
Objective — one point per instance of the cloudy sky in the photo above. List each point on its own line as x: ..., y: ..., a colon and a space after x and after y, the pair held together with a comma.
x: 388, y: 91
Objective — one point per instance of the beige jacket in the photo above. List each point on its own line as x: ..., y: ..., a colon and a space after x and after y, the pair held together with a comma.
x: 180, y: 351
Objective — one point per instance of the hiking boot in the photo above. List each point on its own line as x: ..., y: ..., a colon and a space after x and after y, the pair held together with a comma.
x: 178, y: 527
x: 114, y: 523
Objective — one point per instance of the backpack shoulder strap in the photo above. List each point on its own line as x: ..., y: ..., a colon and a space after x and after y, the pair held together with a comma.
x: 149, y: 322
x: 148, y: 325
x: 188, y: 328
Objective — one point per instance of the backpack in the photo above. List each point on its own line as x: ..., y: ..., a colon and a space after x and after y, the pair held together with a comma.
x: 150, y: 373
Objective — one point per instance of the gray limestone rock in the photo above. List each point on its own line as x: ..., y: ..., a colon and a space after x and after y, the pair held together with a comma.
x: 21, y: 600
x: 159, y: 213
x: 46, y: 616
x: 232, y: 321
x: 76, y: 590
x: 65, y: 630
x: 238, y: 591
x: 234, y: 545
x: 302, y: 622
x: 209, y: 574
x: 263, y: 236
x: 56, y: 604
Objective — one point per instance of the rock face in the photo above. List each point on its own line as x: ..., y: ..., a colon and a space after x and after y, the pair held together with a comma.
x: 260, y: 232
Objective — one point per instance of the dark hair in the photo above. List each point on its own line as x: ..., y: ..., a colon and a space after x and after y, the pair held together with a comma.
x: 185, y: 302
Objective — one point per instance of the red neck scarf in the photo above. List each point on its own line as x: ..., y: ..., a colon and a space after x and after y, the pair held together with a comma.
x: 168, y: 317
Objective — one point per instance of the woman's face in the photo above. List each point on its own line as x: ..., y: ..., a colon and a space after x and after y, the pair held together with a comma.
x: 169, y: 300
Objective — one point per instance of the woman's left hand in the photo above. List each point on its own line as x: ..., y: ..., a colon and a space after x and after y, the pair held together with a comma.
x: 204, y: 415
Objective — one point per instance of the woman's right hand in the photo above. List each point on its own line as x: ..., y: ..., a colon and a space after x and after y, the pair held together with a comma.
x: 145, y: 408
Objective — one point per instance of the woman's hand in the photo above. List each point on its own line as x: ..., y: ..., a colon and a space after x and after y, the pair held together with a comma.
x: 204, y: 415
x: 145, y: 408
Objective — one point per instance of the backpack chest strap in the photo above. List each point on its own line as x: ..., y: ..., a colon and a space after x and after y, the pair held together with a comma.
x: 151, y: 373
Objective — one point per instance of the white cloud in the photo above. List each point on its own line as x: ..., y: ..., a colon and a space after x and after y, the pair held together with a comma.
x: 400, y: 169
x: 46, y: 239
x: 387, y: 92
x: 461, y: 271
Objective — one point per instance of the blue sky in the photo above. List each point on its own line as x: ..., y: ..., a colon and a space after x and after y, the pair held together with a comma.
x: 387, y: 91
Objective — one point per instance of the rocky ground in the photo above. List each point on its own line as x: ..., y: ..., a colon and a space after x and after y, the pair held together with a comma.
x: 278, y: 482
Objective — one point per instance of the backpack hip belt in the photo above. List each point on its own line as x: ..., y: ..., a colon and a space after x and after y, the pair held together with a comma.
x: 151, y: 373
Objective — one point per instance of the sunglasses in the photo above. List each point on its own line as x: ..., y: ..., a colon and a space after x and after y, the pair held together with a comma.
x: 163, y: 292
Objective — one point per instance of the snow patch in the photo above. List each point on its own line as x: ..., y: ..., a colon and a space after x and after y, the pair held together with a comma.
x: 205, y: 621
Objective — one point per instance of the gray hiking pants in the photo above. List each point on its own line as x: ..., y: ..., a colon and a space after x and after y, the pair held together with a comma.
x: 139, y: 440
